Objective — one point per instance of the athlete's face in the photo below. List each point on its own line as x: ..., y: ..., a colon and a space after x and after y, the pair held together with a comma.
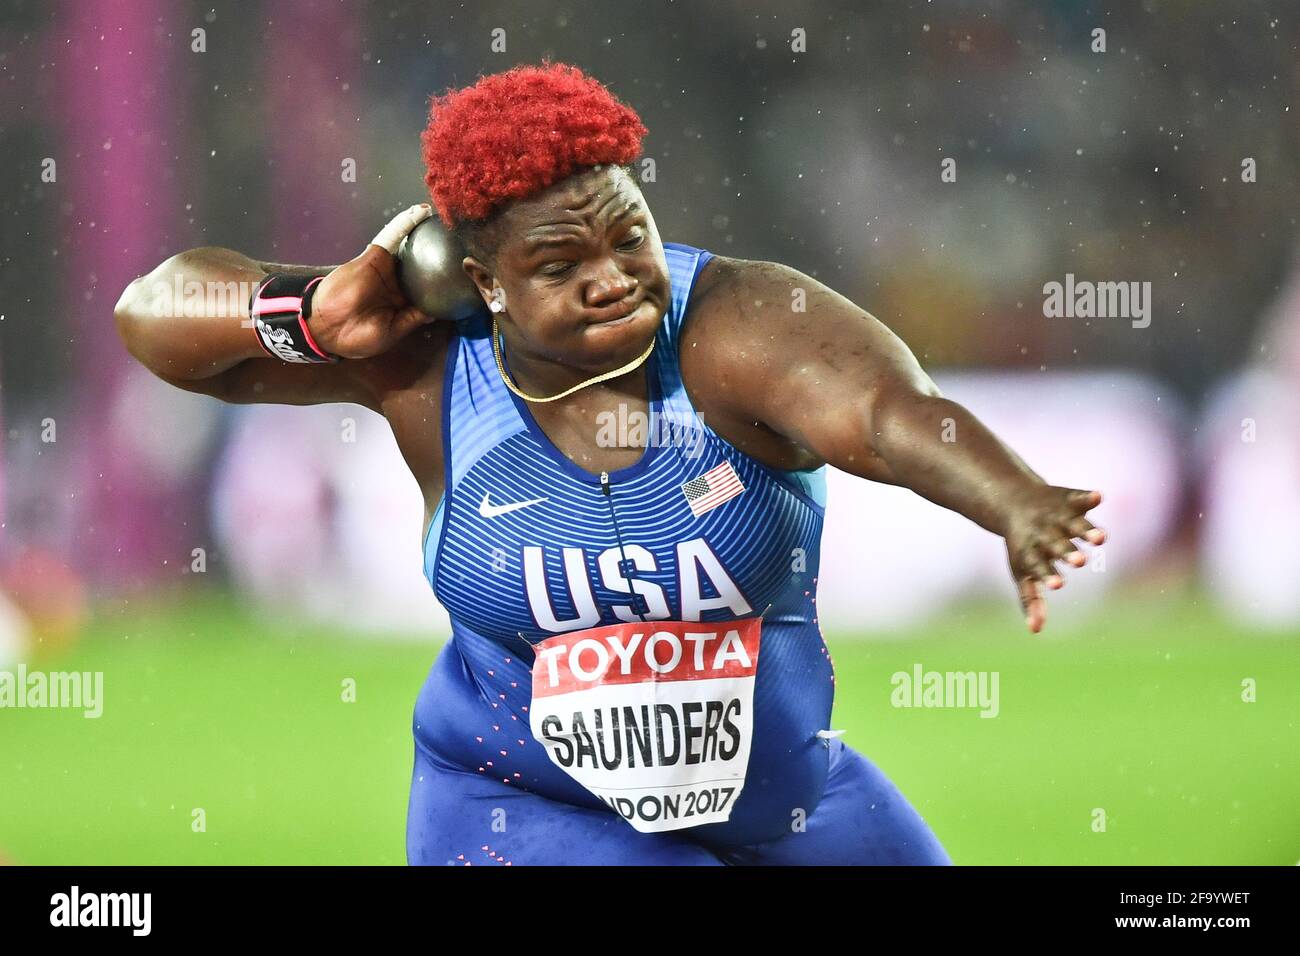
x: 581, y: 272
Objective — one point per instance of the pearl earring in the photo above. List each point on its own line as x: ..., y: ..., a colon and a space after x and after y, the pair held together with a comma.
x: 496, y: 306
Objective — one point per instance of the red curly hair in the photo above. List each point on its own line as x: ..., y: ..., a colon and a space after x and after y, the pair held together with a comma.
x: 513, y: 134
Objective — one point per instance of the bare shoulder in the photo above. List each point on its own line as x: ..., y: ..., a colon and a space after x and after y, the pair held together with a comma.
x: 768, y: 321
x: 739, y: 296
x: 745, y: 314
x: 729, y: 271
x: 733, y: 345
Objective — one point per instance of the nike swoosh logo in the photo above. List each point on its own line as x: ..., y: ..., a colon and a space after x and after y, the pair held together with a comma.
x: 489, y: 510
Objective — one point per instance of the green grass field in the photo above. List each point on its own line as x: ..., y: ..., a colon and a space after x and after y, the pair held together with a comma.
x: 1136, y: 710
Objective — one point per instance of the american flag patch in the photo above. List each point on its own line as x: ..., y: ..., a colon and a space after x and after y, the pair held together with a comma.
x: 716, y: 486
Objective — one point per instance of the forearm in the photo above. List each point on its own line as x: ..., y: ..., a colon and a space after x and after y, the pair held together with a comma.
x: 188, y: 318
x: 945, y: 454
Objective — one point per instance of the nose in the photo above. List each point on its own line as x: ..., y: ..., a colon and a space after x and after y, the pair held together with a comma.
x: 610, y: 284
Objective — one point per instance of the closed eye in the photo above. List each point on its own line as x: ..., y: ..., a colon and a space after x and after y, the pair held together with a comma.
x: 557, y: 269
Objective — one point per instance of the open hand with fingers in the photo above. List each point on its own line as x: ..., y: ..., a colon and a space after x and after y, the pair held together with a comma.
x: 1040, y: 532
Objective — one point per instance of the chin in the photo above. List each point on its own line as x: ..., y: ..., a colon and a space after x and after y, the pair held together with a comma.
x: 615, y: 343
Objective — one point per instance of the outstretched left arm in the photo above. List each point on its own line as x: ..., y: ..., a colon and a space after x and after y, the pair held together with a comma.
x: 802, y: 359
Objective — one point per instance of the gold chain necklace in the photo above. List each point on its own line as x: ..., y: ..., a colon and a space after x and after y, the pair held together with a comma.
x: 496, y: 352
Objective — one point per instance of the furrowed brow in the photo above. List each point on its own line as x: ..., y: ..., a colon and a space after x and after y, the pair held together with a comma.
x: 629, y: 209
x: 537, y: 243
x: 540, y: 242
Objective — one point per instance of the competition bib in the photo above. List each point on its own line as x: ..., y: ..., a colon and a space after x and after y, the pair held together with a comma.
x: 653, y: 717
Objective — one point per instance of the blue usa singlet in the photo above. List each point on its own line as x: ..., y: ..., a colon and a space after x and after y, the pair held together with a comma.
x: 526, y: 545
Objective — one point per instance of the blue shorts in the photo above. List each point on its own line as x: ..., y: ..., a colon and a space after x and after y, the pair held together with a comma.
x: 460, y: 818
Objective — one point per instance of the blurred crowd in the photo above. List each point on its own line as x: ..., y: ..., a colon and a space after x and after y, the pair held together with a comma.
x: 936, y: 163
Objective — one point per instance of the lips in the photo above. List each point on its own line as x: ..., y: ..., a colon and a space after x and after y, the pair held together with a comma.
x: 615, y: 314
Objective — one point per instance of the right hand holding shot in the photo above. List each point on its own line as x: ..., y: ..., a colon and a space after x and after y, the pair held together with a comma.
x: 360, y: 311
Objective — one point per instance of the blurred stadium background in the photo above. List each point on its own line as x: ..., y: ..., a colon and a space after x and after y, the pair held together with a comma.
x: 139, y: 525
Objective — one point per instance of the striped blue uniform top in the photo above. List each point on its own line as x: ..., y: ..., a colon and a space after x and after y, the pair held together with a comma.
x: 578, y: 557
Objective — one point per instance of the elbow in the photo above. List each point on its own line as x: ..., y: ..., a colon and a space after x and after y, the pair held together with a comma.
x: 897, y: 416
x: 127, y: 314
x: 147, y: 298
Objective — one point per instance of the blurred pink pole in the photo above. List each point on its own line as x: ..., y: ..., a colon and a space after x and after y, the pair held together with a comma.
x: 118, y: 110
x: 313, y: 107
x: 4, y: 520
x: 121, y: 107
